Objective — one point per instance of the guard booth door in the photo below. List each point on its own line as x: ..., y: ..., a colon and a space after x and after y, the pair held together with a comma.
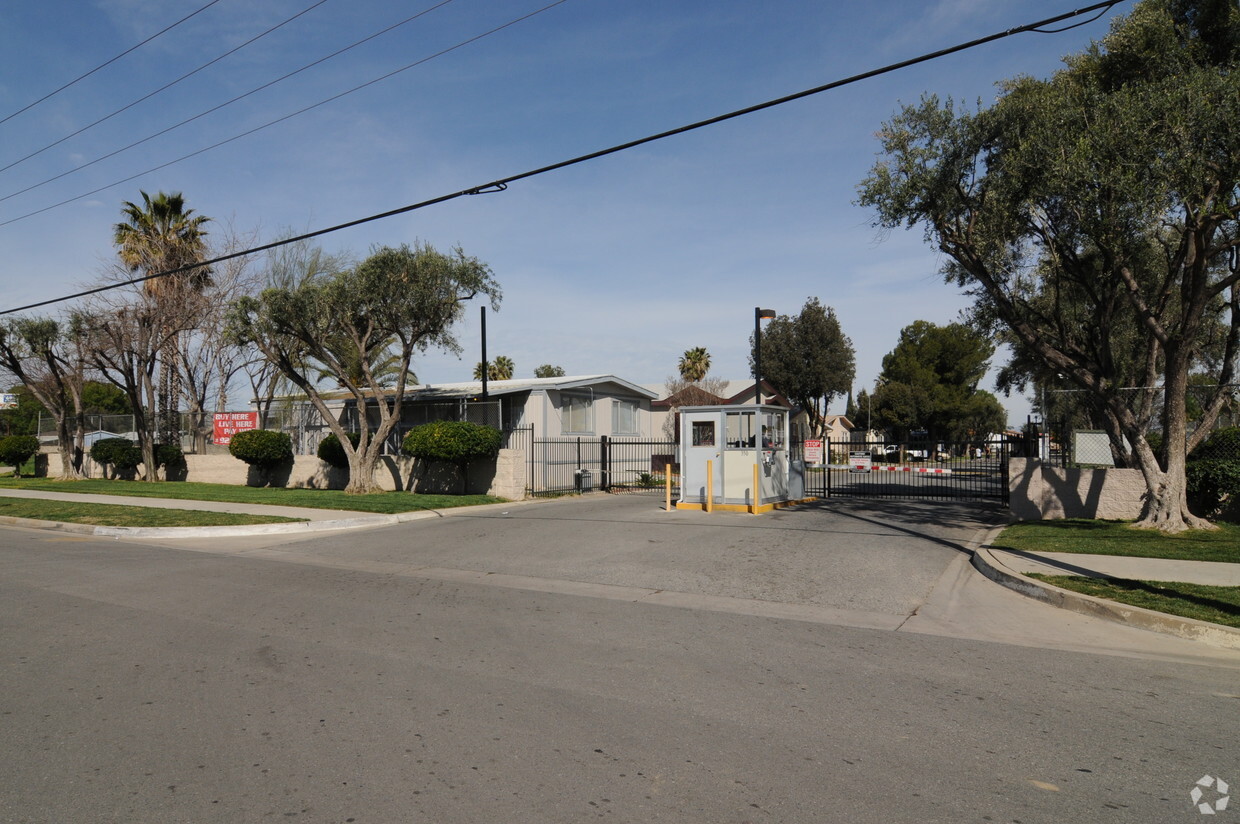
x: 702, y: 445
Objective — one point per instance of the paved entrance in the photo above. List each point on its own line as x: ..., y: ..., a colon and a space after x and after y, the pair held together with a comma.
x: 959, y: 473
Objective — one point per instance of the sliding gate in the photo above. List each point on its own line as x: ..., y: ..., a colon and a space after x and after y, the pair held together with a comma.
x: 912, y: 471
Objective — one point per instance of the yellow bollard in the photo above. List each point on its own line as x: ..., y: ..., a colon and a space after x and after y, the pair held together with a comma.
x: 753, y: 495
x: 710, y: 486
x: 667, y: 483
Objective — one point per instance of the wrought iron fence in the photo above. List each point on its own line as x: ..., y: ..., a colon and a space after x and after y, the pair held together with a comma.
x: 557, y: 466
x: 972, y: 471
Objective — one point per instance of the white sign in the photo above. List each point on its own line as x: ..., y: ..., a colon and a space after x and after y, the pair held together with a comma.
x: 813, y: 452
x: 859, y: 461
x: 8, y: 401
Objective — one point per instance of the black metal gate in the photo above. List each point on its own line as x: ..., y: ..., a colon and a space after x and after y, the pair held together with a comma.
x: 912, y: 471
x: 558, y: 466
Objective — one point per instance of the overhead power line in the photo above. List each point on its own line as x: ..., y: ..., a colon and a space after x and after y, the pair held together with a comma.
x: 214, y: 109
x: 502, y: 183
x: 269, y: 123
x: 106, y: 63
x: 165, y: 87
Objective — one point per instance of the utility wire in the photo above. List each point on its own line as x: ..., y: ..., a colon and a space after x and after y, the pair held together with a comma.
x: 280, y: 119
x: 213, y: 109
x: 502, y: 184
x: 108, y: 62
x: 164, y: 87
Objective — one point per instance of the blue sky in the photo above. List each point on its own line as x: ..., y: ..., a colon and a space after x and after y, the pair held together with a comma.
x: 617, y: 265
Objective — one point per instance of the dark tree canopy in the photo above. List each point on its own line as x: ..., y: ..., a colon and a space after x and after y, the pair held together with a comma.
x: 809, y: 359
x: 1093, y: 217
x: 930, y: 382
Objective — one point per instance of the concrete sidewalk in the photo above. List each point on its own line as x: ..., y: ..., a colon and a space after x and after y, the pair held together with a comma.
x: 307, y: 520
x: 1209, y: 573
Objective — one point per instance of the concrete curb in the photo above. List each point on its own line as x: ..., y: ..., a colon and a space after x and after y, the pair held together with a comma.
x: 987, y: 563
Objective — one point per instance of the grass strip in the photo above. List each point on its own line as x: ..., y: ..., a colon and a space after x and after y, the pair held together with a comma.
x: 384, y: 503
x: 119, y: 515
x: 1121, y: 538
x: 1218, y: 605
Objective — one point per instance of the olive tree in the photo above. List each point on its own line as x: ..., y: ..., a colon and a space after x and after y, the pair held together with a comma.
x: 410, y: 295
x: 1093, y: 215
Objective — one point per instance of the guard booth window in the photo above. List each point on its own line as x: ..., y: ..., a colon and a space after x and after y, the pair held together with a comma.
x: 772, y: 430
x: 703, y: 433
x: 740, y: 430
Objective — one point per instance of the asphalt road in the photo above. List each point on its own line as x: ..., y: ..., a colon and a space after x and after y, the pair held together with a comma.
x: 582, y: 660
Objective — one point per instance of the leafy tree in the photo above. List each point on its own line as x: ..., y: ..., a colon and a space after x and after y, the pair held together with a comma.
x: 1213, y: 470
x: 161, y: 235
x: 809, y: 359
x: 1115, y: 182
x: 694, y: 364
x: 49, y: 359
x: 24, y: 420
x: 929, y: 382
x: 15, y: 450
x: 549, y: 371
x: 413, y: 295
x: 104, y: 399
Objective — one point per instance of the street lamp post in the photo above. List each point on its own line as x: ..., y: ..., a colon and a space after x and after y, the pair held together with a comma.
x: 759, y: 315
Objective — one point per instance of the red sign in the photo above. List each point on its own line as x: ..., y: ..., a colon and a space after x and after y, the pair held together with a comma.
x: 228, y: 424
x: 813, y: 451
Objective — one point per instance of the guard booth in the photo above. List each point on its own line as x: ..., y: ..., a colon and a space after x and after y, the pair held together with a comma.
x: 736, y: 458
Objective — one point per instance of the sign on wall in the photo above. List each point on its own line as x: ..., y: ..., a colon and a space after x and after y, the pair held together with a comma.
x: 228, y: 424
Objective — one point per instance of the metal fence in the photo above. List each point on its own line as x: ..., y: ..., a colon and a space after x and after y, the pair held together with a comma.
x: 557, y: 466
x: 960, y: 472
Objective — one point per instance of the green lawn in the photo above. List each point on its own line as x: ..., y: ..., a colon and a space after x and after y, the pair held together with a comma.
x: 1118, y: 538
x: 386, y: 503
x: 1219, y: 605
x: 76, y: 512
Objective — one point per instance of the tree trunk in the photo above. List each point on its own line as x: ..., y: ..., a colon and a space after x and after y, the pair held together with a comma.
x: 70, y: 451
x: 362, y: 471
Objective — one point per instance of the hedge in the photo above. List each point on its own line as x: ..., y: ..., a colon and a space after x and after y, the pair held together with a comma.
x: 457, y: 442
x: 262, y: 448
x: 331, y: 452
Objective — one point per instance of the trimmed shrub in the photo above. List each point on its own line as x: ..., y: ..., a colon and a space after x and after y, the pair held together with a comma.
x: 169, y: 455
x: 121, y: 454
x: 457, y: 442
x: 1213, y: 472
x: 331, y: 452
x: 261, y: 448
x: 15, y: 450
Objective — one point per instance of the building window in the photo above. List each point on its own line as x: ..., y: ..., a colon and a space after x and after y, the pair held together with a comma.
x: 703, y: 433
x: 624, y: 418
x: 578, y: 415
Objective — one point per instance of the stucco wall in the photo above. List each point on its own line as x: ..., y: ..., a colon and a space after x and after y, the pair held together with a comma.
x: 504, y: 477
x: 1039, y: 492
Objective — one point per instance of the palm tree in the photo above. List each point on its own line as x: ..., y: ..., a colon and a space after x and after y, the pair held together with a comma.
x: 694, y: 364
x: 500, y: 369
x: 161, y: 235
x: 383, y: 362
